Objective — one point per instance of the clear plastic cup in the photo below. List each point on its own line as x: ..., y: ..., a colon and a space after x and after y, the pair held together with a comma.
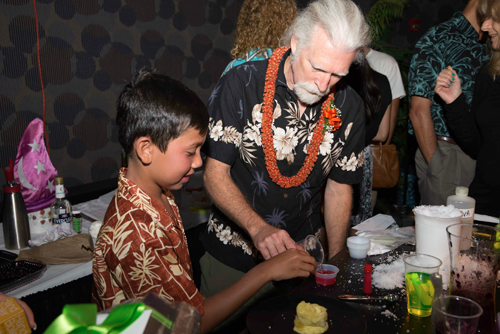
x: 419, y: 288
x: 312, y: 245
x: 326, y: 274
x: 455, y: 314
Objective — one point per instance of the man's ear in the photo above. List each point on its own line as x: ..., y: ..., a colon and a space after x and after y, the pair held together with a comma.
x: 293, y: 44
x: 143, y: 147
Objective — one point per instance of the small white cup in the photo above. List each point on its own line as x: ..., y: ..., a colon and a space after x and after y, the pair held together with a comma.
x: 358, y: 247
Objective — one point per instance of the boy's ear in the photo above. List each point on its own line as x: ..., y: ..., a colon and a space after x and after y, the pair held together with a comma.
x: 144, y: 147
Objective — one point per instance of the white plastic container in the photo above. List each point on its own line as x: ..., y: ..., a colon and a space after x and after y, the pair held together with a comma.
x: 431, y: 237
x: 358, y: 247
x: 464, y: 203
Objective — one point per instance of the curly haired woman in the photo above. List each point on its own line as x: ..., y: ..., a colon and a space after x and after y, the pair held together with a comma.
x: 261, y: 23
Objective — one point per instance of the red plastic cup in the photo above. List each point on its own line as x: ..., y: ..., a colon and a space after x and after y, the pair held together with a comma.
x: 326, y: 274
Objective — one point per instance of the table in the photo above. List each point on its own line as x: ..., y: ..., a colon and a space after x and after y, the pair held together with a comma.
x: 350, y: 281
x: 380, y: 317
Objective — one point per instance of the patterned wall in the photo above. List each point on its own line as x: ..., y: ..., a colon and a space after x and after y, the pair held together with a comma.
x: 89, y: 50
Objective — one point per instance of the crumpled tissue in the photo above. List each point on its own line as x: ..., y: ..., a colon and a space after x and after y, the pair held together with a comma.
x: 53, y: 233
x: 383, y: 241
x: 94, y: 229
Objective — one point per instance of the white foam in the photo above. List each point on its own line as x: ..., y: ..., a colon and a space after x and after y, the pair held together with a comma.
x: 438, y: 211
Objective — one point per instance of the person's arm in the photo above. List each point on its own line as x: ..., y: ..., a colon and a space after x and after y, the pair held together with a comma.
x: 459, y: 120
x: 25, y: 307
x: 337, y: 209
x: 384, y: 126
x: 393, y: 119
x: 226, y: 195
x: 420, y: 116
x: 286, y: 265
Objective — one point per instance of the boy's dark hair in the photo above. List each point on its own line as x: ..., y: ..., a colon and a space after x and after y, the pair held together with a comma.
x: 159, y: 107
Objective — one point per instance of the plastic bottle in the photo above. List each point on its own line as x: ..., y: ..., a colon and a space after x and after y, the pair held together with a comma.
x: 77, y: 221
x: 61, y: 207
x: 463, y: 203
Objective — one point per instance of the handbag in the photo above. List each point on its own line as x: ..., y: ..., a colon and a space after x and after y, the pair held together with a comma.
x: 385, y: 166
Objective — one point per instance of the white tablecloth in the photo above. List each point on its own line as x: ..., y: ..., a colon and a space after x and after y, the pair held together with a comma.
x: 62, y: 274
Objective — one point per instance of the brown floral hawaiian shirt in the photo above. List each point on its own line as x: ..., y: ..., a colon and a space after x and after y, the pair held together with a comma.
x: 140, y: 249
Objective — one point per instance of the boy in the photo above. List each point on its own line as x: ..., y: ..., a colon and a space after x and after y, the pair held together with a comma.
x: 141, y: 246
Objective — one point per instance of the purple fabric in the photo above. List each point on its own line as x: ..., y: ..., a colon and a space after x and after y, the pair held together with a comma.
x: 33, y: 169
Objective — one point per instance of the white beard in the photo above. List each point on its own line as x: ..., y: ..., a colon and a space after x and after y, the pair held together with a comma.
x: 308, y: 93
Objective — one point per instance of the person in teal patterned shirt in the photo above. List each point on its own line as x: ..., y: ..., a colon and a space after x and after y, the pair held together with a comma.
x: 261, y: 23
x: 441, y: 165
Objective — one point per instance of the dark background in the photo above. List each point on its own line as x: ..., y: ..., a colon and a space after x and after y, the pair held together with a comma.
x: 89, y: 51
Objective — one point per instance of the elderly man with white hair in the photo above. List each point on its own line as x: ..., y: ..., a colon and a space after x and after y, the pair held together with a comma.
x: 284, y: 134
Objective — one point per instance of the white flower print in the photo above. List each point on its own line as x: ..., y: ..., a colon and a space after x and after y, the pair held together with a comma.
x: 290, y: 157
x: 348, y: 130
x: 361, y: 158
x: 285, y: 141
x: 225, y: 236
x: 252, y: 133
x: 216, y: 131
x: 257, y: 113
x: 277, y: 111
x: 229, y: 237
x: 326, y: 144
x: 350, y: 164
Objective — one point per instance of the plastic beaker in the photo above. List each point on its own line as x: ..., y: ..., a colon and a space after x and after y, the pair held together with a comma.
x: 456, y: 315
x: 312, y: 245
x: 474, y: 266
x: 419, y: 288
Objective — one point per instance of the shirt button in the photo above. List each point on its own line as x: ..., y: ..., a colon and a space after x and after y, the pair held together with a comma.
x: 285, y: 195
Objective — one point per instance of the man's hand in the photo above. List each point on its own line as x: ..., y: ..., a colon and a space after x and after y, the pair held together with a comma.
x: 271, y: 241
x: 448, y: 85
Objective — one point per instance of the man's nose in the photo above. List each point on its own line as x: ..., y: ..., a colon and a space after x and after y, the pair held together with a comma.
x: 323, y: 82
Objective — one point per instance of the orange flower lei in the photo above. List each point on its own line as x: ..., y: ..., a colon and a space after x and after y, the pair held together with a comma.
x: 329, y: 121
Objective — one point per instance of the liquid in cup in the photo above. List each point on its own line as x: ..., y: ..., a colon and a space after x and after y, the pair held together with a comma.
x: 474, y: 267
x: 419, y: 289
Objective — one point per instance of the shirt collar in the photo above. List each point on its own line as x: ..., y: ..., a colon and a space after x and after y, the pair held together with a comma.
x: 281, y: 71
x: 464, y: 26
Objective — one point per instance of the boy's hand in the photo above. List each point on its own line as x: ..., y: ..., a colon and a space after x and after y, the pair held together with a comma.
x: 290, y: 264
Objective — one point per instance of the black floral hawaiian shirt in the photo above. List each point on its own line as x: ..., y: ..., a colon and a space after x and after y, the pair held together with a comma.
x: 234, y: 138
